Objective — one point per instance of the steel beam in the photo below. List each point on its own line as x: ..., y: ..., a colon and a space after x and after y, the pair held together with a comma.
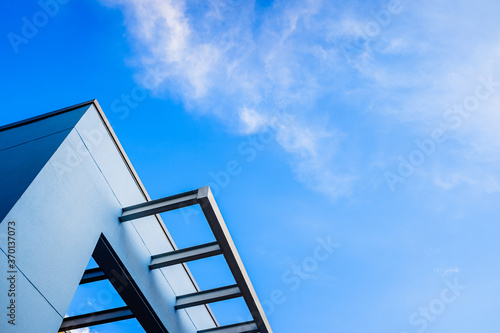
x: 248, y: 327
x: 96, y: 318
x: 225, y: 241
x: 207, y: 296
x: 159, y: 206
x: 185, y: 255
x: 125, y: 285
x: 93, y: 275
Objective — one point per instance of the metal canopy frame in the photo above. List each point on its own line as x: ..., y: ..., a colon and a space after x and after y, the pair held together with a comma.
x: 224, y: 245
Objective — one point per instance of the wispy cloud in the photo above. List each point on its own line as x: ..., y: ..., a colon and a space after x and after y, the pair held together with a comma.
x: 245, y: 64
x: 220, y: 58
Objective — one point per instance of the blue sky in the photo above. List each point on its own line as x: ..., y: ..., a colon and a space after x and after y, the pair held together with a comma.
x: 372, y: 126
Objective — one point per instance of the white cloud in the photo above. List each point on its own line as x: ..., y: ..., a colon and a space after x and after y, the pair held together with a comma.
x: 447, y: 182
x: 221, y: 59
x: 252, y: 121
x: 245, y: 64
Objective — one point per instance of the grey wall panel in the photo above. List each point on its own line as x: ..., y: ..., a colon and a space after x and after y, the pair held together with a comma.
x: 31, y: 307
x: 19, y: 165
x: 99, y: 143
x: 60, y: 217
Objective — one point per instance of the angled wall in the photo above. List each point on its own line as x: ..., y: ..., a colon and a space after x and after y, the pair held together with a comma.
x: 67, y: 182
x: 26, y: 148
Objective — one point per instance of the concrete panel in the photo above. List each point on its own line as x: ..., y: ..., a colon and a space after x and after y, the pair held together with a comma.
x: 99, y: 143
x: 59, y: 218
x: 36, y: 310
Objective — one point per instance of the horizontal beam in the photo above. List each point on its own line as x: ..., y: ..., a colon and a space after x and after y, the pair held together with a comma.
x: 248, y: 327
x: 207, y: 296
x: 96, y: 318
x: 93, y: 275
x: 185, y: 255
x: 159, y: 206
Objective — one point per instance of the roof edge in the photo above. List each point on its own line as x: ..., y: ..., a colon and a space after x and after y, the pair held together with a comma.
x: 106, y: 123
x: 46, y: 115
x: 120, y: 148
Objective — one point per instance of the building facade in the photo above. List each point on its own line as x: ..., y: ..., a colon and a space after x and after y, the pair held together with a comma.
x: 70, y: 193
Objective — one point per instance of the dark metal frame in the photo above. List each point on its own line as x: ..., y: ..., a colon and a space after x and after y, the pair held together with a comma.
x: 248, y: 327
x: 207, y: 296
x: 96, y: 318
x: 93, y: 275
x: 112, y: 268
x: 205, y: 199
x: 185, y: 255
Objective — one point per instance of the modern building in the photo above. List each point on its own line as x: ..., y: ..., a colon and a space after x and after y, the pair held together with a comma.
x: 68, y: 193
